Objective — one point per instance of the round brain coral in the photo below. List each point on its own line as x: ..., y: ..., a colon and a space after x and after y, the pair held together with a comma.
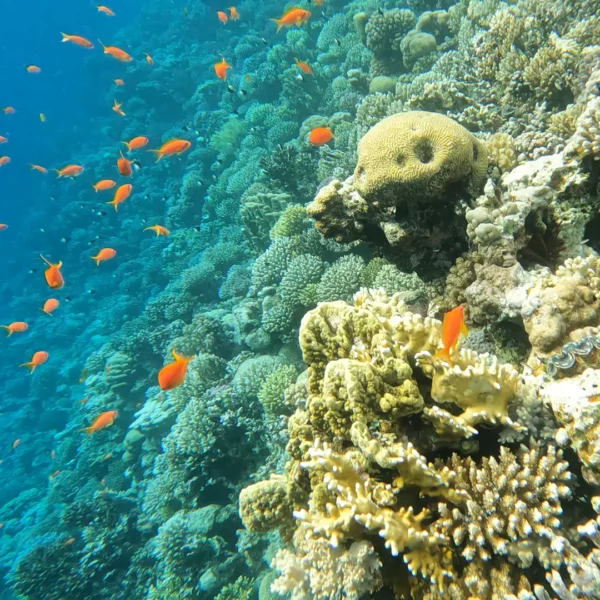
x: 418, y: 156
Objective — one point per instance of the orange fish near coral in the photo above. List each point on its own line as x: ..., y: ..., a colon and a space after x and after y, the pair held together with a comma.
x: 39, y: 358
x: 117, y: 53
x: 158, y: 229
x: 320, y: 136
x: 33, y: 69
x: 38, y: 168
x: 4, y: 160
x: 50, y: 306
x: 149, y: 59
x: 173, y: 374
x: 294, y: 16
x: 221, y: 69
x: 15, y: 327
x: 78, y: 40
x: 103, y: 420
x: 69, y: 171
x: 136, y: 143
x: 104, y: 184
x: 8, y: 110
x: 121, y: 194
x: 117, y: 108
x: 52, y: 274
x: 173, y: 146
x: 118, y: 82
x: 222, y: 16
x: 3, y: 226
x: 104, y: 9
x: 233, y: 13
x: 304, y: 67
x: 453, y: 326
x: 124, y: 166
x: 104, y: 254
x: 15, y: 444
x: 3, y: 140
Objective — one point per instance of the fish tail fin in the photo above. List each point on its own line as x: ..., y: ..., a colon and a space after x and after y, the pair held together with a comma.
x: 127, y: 144
x: 158, y: 154
x: 87, y: 430
x: 95, y: 258
x: 100, y: 41
x: 115, y: 205
x: 57, y: 171
x: 94, y: 186
x: 65, y: 37
x: 443, y: 353
x: 278, y: 23
x: 8, y: 331
x: 31, y: 366
x: 46, y: 312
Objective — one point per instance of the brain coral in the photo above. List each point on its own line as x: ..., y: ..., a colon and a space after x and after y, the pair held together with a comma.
x: 418, y: 156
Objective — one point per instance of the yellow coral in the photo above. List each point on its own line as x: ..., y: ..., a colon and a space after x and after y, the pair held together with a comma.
x: 264, y: 506
x: 416, y: 156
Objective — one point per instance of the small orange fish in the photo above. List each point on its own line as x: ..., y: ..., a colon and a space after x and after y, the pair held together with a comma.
x: 50, y: 306
x: 104, y: 184
x: 104, y: 9
x: 304, y: 67
x: 103, y: 482
x: 221, y: 69
x: 453, y: 326
x: 33, y: 69
x: 53, y: 454
x: 173, y: 374
x: 3, y: 226
x: 121, y: 194
x: 15, y: 327
x: 38, y: 358
x: 107, y: 456
x: 83, y: 375
x: 173, y: 146
x: 124, y: 166
x: 4, y: 160
x: 320, y: 136
x: 3, y: 140
x: 70, y: 541
x: 233, y: 13
x: 103, y: 420
x: 118, y: 82
x: 42, y: 117
x: 117, y: 53
x: 222, y: 16
x: 294, y: 16
x: 15, y: 444
x: 117, y: 108
x: 69, y: 171
x: 38, y: 168
x: 83, y: 400
x: 77, y: 39
x: 136, y: 143
x: 8, y: 110
x: 104, y: 254
x: 148, y: 59
x: 158, y: 229
x: 53, y: 475
x: 52, y: 274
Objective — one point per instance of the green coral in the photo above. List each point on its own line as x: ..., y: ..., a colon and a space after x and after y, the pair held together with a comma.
x: 292, y: 221
x: 272, y: 392
x: 341, y: 280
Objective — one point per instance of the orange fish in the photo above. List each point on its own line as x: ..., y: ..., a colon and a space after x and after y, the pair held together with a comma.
x: 104, y: 184
x: 70, y: 541
x: 53, y: 454
x: 53, y: 475
x: 319, y: 136
x: 304, y: 67
x: 15, y: 444
x: 136, y: 143
x: 105, y: 419
x: 83, y: 401
x: 77, y: 39
x: 294, y: 16
x: 8, y: 110
x: 104, y: 254
x: 173, y: 374
x: 52, y: 274
x: 118, y: 82
x: 107, y: 456
x: 50, y: 306
x: 105, y: 10
x: 83, y: 375
x: 3, y: 140
x: 69, y: 171
x: 116, y: 53
x: 158, y: 229
x: 3, y: 226
x: 39, y: 358
x: 124, y: 166
x: 148, y: 59
x: 121, y: 194
x: 233, y: 13
x: 33, y: 69
x: 221, y: 69
x: 16, y: 327
x: 38, y: 168
x: 453, y: 325
x: 4, y: 160
x: 222, y: 16
x: 173, y: 146
x: 117, y: 108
